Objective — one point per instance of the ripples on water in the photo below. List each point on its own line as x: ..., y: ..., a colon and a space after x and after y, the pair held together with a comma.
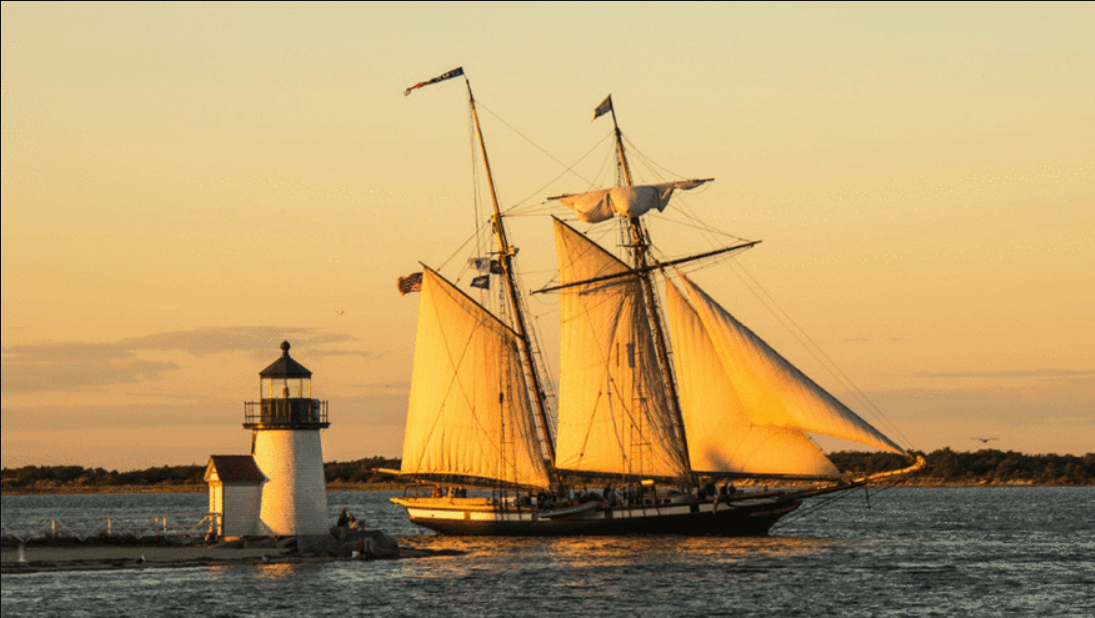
x: 916, y: 552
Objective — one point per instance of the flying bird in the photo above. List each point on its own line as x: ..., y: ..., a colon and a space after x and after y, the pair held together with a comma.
x: 983, y: 440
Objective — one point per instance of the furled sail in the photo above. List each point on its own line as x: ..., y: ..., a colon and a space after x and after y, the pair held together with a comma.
x: 614, y: 415
x: 469, y: 412
x: 633, y: 201
x: 772, y: 391
x: 721, y: 436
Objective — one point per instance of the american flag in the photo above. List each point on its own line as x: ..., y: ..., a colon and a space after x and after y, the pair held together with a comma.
x: 410, y: 283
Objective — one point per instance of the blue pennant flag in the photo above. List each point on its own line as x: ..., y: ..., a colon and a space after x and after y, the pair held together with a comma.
x: 603, y: 108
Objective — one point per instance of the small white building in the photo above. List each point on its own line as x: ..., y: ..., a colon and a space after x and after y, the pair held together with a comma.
x: 286, y: 452
x: 235, y: 491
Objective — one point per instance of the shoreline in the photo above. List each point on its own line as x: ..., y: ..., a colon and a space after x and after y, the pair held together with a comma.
x: 196, y: 489
x: 170, y: 489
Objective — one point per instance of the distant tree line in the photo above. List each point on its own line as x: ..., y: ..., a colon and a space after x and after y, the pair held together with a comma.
x: 360, y: 471
x: 943, y: 466
x: 48, y: 478
x: 987, y: 466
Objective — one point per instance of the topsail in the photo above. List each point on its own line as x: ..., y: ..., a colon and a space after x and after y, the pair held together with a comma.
x: 633, y: 201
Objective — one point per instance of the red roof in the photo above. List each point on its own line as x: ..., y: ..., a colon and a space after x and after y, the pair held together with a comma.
x: 234, y: 469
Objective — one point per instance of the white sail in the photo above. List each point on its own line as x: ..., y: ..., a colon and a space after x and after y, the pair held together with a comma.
x: 469, y: 412
x: 772, y: 391
x: 614, y: 415
x: 633, y: 201
x: 721, y: 436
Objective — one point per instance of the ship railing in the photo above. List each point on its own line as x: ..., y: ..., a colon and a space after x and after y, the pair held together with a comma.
x: 186, y: 527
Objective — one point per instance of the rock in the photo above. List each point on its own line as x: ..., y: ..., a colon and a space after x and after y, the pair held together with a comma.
x: 372, y: 544
x: 320, y: 545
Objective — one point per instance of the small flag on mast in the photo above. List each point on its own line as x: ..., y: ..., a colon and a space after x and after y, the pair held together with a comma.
x: 603, y: 108
x: 482, y: 282
x: 457, y: 72
x: 410, y: 283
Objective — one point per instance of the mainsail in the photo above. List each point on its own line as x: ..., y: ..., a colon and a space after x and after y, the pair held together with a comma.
x: 469, y: 412
x: 771, y: 391
x: 615, y: 416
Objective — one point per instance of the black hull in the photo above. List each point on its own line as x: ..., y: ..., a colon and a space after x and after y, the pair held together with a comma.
x: 754, y: 520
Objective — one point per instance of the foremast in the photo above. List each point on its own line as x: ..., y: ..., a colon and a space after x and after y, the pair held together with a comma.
x: 505, y: 257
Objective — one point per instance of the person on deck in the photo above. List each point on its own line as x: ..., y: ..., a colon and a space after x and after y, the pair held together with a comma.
x: 343, y: 523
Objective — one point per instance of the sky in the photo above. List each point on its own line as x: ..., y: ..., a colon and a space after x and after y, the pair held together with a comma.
x: 184, y: 186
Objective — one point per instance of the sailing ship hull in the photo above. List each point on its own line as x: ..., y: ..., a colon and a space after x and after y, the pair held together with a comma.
x: 478, y: 517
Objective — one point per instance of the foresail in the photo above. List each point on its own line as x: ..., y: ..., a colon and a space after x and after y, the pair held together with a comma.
x: 721, y: 436
x: 469, y: 412
x: 614, y: 416
x: 771, y: 390
x: 633, y: 201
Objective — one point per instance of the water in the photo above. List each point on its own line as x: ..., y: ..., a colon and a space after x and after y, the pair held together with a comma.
x: 916, y: 552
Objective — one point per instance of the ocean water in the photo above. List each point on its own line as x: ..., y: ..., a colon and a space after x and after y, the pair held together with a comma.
x: 1022, y: 551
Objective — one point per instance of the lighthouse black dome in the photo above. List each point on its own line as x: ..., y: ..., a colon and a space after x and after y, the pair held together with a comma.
x: 286, y: 390
x: 285, y: 367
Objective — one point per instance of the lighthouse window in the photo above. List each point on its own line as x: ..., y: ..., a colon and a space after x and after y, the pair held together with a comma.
x: 281, y: 388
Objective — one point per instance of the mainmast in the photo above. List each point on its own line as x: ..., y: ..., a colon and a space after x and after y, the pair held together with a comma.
x: 640, y: 251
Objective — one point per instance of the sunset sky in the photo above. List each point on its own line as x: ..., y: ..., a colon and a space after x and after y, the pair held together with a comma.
x: 186, y: 185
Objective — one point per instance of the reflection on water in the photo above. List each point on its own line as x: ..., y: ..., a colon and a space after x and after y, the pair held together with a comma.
x: 278, y: 571
x: 915, y: 552
x: 578, y: 552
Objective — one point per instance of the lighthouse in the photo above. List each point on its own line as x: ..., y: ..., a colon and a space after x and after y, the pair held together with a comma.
x: 286, y: 448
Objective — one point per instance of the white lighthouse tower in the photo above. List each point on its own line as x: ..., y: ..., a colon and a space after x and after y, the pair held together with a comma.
x: 286, y: 447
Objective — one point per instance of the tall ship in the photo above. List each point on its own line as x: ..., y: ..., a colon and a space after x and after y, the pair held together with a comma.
x: 666, y: 401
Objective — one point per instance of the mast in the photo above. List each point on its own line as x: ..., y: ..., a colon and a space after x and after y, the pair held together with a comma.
x: 505, y: 254
x: 640, y: 254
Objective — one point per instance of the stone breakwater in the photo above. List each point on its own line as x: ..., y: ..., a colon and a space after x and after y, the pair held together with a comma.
x: 75, y: 556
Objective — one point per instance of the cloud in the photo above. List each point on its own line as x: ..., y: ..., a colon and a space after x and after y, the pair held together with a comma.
x: 74, y: 366
x: 205, y: 412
